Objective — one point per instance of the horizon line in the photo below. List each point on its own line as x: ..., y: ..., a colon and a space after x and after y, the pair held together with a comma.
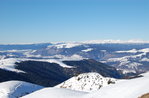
x: 87, y: 42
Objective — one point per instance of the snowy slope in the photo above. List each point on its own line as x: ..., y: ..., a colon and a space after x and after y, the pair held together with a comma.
x: 55, y: 93
x: 86, y: 82
x: 15, y: 89
x: 9, y: 63
x: 123, y: 89
x: 55, y: 61
x: 131, y: 60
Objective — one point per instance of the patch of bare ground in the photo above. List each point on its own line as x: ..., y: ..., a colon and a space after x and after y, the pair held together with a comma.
x: 145, y: 96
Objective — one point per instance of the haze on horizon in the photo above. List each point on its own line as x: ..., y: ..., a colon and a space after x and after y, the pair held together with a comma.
x: 37, y: 21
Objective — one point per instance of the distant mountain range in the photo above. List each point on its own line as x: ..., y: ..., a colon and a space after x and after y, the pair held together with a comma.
x: 129, y: 56
x: 81, y: 66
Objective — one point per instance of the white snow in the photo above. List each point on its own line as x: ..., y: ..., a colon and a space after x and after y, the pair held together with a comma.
x: 74, y: 57
x: 57, y: 62
x: 15, y: 89
x: 87, y: 50
x: 132, y: 88
x: 145, y: 59
x: 124, y: 89
x: 55, y: 93
x: 129, y: 51
x: 9, y: 64
x: 125, y: 60
x: 74, y: 44
x: 145, y: 50
x: 135, y: 41
x: 86, y: 82
x: 65, y: 45
x: 30, y: 54
x: 133, y: 65
x: 115, y: 42
x: 15, y: 50
x: 125, y: 71
x: 2, y: 57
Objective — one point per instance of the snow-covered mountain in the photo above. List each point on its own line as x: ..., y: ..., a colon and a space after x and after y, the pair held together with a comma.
x: 10, y: 63
x: 130, y: 56
x: 132, y: 88
x: 16, y: 89
x: 135, y: 60
x: 50, y: 72
x: 49, y: 64
x: 87, y: 82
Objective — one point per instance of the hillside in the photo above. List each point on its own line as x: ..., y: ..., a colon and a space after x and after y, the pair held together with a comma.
x: 51, y: 72
x: 132, y: 88
x: 16, y: 89
x: 87, y: 82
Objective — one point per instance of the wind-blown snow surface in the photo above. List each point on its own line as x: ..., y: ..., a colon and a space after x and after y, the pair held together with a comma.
x: 87, y: 82
x: 55, y: 93
x: 16, y: 89
x: 122, y: 89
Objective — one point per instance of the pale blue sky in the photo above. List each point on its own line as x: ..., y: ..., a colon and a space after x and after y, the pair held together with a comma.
x: 33, y: 21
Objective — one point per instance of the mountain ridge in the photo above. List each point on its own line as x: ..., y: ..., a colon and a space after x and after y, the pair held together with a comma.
x: 50, y: 74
